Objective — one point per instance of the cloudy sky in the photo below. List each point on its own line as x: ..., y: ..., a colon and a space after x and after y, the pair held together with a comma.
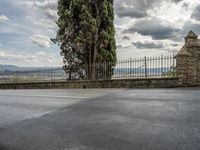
x: 143, y: 28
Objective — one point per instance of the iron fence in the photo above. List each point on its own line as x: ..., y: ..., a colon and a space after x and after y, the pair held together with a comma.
x: 35, y: 75
x: 162, y: 66
x: 147, y: 67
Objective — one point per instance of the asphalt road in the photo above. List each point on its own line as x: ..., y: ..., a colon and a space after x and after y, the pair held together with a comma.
x: 106, y: 119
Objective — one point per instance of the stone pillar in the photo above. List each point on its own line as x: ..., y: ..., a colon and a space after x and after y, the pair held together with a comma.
x: 188, y: 61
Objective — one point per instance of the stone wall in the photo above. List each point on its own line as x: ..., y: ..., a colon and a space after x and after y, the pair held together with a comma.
x: 188, y: 61
x: 123, y: 83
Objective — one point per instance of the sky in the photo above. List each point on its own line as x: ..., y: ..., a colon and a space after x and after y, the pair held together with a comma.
x: 143, y: 28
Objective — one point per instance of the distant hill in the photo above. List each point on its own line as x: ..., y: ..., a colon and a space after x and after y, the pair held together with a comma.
x: 10, y: 72
x: 8, y: 67
x: 58, y: 71
x: 13, y: 68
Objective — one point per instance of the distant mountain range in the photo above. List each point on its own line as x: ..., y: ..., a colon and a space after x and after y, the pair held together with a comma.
x: 9, y: 72
x: 13, y: 68
x: 8, y: 67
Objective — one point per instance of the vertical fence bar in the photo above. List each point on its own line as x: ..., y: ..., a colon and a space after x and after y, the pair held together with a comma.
x: 128, y: 64
x: 169, y: 61
x: 130, y: 67
x: 169, y: 64
x: 117, y: 69
x: 165, y: 65
x: 161, y: 65
x: 153, y: 66
x: 126, y: 69
x: 105, y: 70
x: 118, y: 76
x: 102, y: 65
x: 156, y: 65
x: 140, y: 66
x: 134, y: 63
x: 173, y: 66
x: 145, y: 66
x: 135, y: 68
x: 150, y: 67
x: 120, y: 70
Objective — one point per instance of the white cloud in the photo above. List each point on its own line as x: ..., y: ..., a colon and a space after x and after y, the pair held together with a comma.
x: 46, y: 4
x: 48, y: 7
x: 51, y: 14
x: 154, y: 21
x: 45, y: 23
x: 30, y: 60
x: 41, y: 40
x: 3, y: 18
x: 163, y: 23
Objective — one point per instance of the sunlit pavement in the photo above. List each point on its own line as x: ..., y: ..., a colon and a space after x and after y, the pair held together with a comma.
x: 100, y: 119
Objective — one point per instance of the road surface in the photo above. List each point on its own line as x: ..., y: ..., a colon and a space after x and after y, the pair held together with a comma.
x: 100, y: 119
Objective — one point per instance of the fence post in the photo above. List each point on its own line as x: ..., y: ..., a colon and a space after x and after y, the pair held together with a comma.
x: 145, y: 63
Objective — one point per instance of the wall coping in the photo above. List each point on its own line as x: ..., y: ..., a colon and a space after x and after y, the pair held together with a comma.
x: 83, y: 81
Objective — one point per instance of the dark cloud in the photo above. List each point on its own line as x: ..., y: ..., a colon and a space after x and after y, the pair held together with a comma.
x: 188, y: 26
x: 136, y: 8
x: 154, y: 28
x: 177, y: 1
x: 147, y: 45
x: 132, y: 12
x: 196, y: 13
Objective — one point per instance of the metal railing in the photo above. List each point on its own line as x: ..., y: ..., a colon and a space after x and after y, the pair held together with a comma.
x: 35, y: 75
x: 162, y: 66
x: 147, y: 67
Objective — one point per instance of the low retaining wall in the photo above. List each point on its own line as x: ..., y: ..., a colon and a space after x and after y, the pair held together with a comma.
x: 122, y: 83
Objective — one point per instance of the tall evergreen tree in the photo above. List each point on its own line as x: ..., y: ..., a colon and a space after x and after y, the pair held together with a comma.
x: 86, y: 37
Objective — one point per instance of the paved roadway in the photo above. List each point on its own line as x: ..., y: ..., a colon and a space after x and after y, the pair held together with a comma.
x: 101, y: 119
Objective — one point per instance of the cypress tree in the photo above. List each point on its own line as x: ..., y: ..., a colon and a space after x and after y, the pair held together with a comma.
x: 86, y: 37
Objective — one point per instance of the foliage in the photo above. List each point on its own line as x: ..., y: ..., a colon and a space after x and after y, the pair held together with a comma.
x: 171, y: 72
x: 86, y: 36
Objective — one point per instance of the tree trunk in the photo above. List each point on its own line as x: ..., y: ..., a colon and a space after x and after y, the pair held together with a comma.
x: 94, y: 55
x: 90, y: 64
x: 93, y: 49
